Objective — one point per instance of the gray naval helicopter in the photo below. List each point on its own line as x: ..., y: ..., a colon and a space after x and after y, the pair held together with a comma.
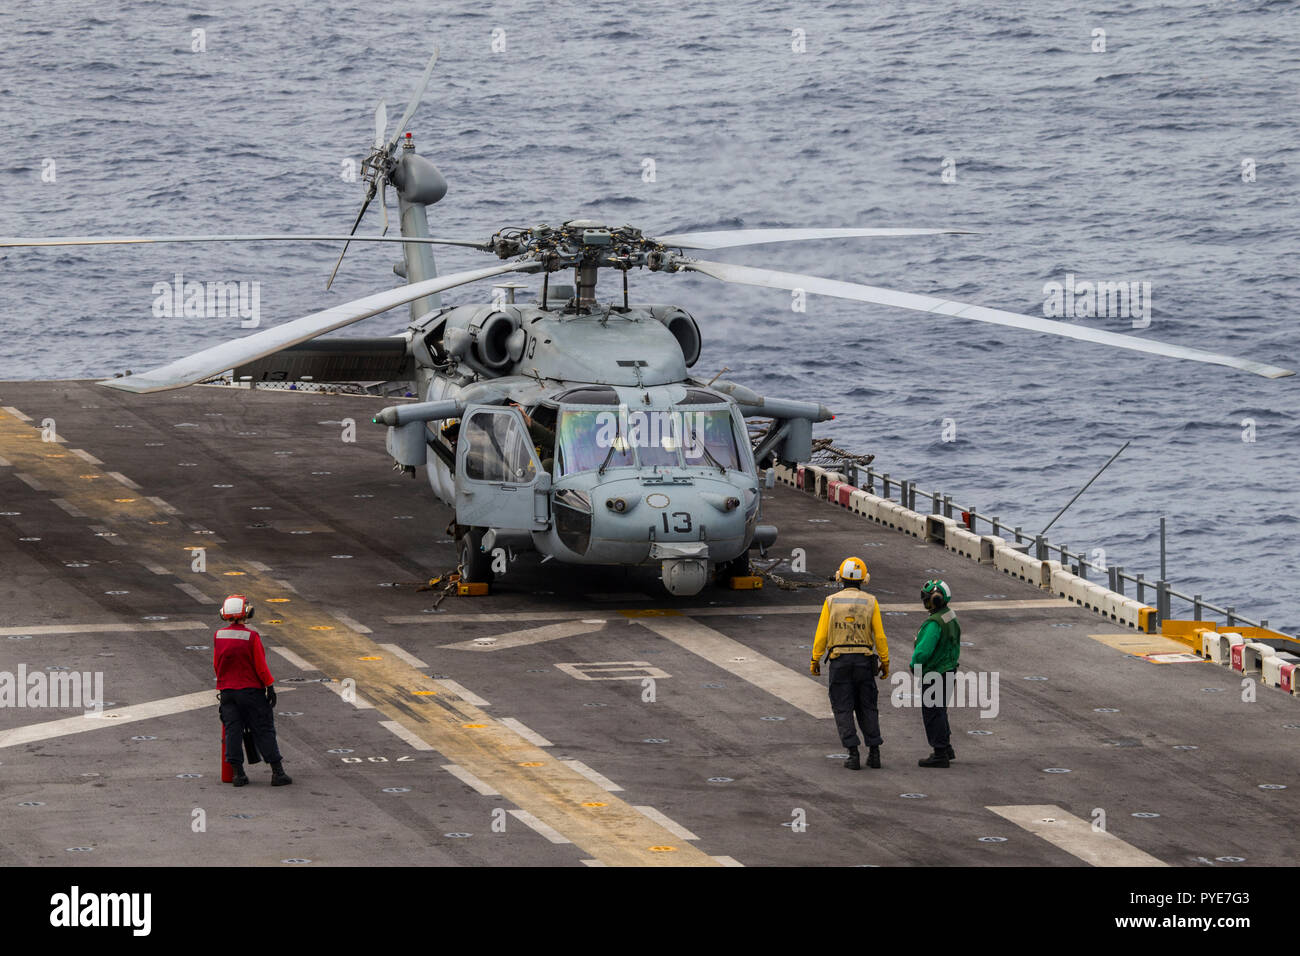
x: 567, y: 427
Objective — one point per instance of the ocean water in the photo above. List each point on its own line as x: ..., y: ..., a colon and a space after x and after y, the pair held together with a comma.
x: 1122, y: 165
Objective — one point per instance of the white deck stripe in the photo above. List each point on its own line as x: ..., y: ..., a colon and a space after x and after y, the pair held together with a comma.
x: 471, y: 781
x: 728, y: 861
x: 532, y: 736
x: 399, y: 731
x: 672, y: 826
x: 592, y: 863
x: 29, y: 481
x: 597, y: 778
x: 464, y: 693
x: 552, y: 834
x: 536, y: 635
x: 155, y: 568
x: 259, y: 566
x: 123, y: 479
x: 294, y: 659
x: 358, y: 701
x: 403, y: 656
x: 195, y: 593
x: 85, y: 456
x: 5, y: 462
x: 1076, y: 836
x: 163, y: 506
x: 350, y: 622
x: 116, y: 627
x: 286, y: 585
x: 15, y: 413
x: 791, y: 686
x: 109, y: 718
x: 111, y: 537
x: 68, y: 506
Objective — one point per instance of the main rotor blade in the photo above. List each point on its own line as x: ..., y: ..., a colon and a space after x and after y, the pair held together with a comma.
x: 412, y: 106
x: 381, y: 123
x: 747, y: 275
x: 213, y: 361
x: 18, y: 241
x: 727, y: 238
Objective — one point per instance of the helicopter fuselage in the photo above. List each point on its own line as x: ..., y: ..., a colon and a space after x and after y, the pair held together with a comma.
x: 577, y: 432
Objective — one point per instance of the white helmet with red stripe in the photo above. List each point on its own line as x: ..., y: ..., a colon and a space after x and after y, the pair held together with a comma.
x: 236, y: 608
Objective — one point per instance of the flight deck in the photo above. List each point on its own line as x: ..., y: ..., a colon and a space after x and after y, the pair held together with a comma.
x: 573, y: 716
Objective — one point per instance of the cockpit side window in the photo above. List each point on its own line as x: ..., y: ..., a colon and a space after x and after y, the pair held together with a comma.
x: 499, y: 449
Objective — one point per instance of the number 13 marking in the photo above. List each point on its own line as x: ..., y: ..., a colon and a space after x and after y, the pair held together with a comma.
x: 681, y: 525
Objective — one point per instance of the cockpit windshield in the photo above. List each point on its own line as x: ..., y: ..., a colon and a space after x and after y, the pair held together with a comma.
x: 708, y: 438
x: 585, y: 441
x: 592, y: 439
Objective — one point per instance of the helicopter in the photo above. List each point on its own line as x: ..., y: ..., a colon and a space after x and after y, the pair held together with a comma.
x: 568, y: 427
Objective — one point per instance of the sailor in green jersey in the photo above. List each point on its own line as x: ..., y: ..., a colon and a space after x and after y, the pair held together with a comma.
x: 938, y: 646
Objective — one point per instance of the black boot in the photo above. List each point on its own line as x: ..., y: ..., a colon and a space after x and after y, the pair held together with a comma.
x: 936, y: 759
x: 278, y: 777
x: 949, y: 752
x: 241, y: 778
x: 852, y: 763
x: 873, y: 758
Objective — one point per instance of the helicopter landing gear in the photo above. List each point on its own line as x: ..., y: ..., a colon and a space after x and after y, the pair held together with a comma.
x: 738, y: 575
x: 475, y: 566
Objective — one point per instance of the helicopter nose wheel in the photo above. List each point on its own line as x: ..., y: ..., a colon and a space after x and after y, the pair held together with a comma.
x: 475, y: 566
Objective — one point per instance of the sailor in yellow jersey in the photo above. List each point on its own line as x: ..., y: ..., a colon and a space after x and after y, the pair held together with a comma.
x: 851, y: 634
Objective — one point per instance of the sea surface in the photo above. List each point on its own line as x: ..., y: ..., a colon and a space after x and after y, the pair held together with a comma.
x: 1117, y: 165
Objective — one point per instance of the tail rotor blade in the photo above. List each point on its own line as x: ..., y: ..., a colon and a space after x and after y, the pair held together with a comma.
x: 381, y: 123
x: 333, y: 272
x: 414, y: 104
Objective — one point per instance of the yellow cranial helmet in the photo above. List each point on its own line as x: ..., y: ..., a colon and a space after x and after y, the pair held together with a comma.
x: 853, y: 569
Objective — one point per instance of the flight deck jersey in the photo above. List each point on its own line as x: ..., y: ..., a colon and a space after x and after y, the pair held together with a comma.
x: 850, y: 624
x: 238, y: 659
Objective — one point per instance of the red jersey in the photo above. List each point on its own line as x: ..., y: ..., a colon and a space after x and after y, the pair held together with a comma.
x: 238, y: 658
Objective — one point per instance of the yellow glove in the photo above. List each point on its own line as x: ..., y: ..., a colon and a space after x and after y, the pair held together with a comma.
x: 815, y: 668
x: 884, y: 669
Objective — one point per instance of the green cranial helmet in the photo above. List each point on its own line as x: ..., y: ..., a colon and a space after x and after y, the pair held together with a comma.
x: 935, y: 594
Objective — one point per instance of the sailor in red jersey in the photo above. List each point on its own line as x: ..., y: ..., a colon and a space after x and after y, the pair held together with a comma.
x: 246, y: 691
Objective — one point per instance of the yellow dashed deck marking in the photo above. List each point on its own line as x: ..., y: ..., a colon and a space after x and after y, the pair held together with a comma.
x: 1131, y: 642
x: 552, y: 792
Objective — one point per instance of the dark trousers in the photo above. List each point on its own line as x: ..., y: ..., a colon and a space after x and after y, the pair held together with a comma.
x: 935, y: 719
x: 853, y: 693
x: 248, y: 707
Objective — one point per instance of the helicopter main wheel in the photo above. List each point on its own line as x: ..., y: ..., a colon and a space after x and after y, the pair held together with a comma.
x: 735, y: 568
x: 475, y: 566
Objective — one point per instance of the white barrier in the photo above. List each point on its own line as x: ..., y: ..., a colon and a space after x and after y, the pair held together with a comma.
x: 1209, y: 643
x: 914, y: 524
x: 963, y: 542
x: 1273, y: 669
x: 1253, y: 655
x: 1221, y: 649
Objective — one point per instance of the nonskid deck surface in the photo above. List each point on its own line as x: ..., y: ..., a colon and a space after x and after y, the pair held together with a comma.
x: 574, y: 715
